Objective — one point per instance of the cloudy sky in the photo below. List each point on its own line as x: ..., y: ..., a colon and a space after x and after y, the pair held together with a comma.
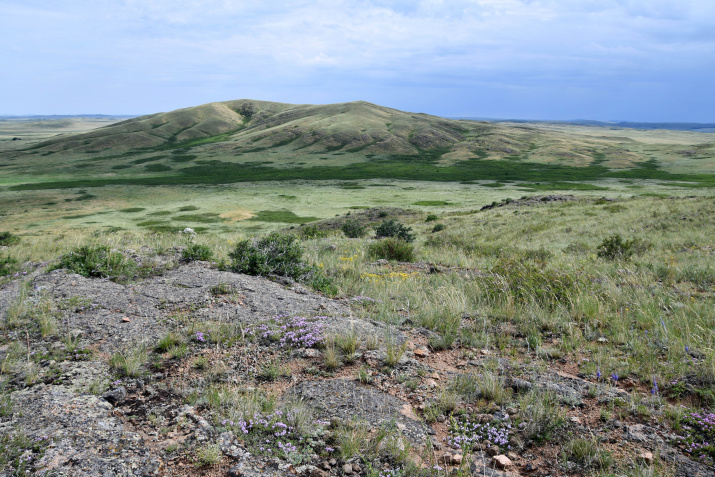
x: 642, y: 60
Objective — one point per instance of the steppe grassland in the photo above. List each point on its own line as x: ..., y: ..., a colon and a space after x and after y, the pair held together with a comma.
x: 49, y: 217
x: 630, y: 317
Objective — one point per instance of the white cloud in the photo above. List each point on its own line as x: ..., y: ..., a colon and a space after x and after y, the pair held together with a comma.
x: 450, y: 43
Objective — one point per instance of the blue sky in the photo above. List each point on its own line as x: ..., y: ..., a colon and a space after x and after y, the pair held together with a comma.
x: 641, y: 60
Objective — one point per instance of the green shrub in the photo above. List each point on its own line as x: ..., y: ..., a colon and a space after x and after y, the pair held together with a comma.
x: 438, y: 227
x: 197, y: 251
x: 431, y: 218
x: 615, y: 248
x: 275, y: 254
x: 392, y: 249
x: 312, y: 232
x: 392, y: 228
x: 278, y: 254
x: 8, y: 238
x: 8, y: 265
x: 98, y: 261
x: 353, y: 229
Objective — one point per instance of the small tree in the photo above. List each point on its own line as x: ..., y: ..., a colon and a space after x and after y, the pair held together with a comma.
x: 353, y: 229
x: 392, y: 228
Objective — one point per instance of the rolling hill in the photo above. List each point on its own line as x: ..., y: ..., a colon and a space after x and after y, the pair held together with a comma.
x: 249, y: 140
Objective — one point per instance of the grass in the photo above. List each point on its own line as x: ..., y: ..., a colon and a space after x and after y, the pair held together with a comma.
x: 282, y: 216
x: 514, y: 289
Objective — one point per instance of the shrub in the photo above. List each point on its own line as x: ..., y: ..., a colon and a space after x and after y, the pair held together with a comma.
x: 278, y: 254
x: 392, y: 249
x: 353, y: 229
x: 438, y: 227
x: 197, y: 251
x: 275, y: 254
x: 615, y: 248
x: 98, y: 261
x: 431, y: 218
x: 8, y: 265
x: 392, y: 228
x: 312, y: 232
x: 7, y: 239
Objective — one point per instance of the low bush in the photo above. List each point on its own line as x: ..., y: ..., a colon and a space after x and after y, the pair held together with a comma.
x: 615, y: 248
x: 276, y: 254
x: 312, y: 232
x: 197, y: 251
x: 8, y: 265
x: 392, y: 249
x: 353, y: 229
x: 281, y: 255
x: 431, y: 218
x: 438, y: 228
x: 99, y: 262
x: 8, y: 238
x: 392, y: 228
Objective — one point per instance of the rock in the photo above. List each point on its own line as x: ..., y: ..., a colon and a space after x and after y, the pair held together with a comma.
x: 575, y: 419
x: 311, y: 353
x: 646, y: 457
x: 431, y: 383
x: 75, y: 334
x: 189, y: 231
x: 126, y: 320
x: 421, y: 352
x: 348, y: 469
x: 512, y: 456
x: 456, y: 459
x: 115, y: 396
x: 502, y: 461
x: 484, y: 418
x: 319, y: 473
x: 493, y: 451
x: 434, y: 376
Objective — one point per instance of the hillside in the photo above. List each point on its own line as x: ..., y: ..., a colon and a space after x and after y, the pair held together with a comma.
x: 245, y: 131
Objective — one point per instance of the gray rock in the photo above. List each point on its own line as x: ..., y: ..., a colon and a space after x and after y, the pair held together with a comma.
x: 115, y: 396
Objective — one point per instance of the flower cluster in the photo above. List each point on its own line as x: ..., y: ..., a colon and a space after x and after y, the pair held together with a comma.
x: 463, y: 434
x: 294, y: 332
x: 199, y: 336
x: 699, y: 438
x: 390, y: 276
x: 273, y: 434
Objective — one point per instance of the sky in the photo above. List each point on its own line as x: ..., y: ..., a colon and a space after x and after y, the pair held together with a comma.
x: 637, y: 60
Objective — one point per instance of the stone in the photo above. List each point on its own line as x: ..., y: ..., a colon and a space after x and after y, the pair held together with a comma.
x: 319, y: 473
x: 456, y: 459
x: 646, y: 457
x: 115, y: 396
x: 421, y: 352
x: 311, y: 353
x: 126, y: 320
x: 502, y: 461
x: 512, y: 456
x: 493, y: 451
x: 431, y: 383
x: 575, y: 419
x: 348, y: 469
x: 434, y: 376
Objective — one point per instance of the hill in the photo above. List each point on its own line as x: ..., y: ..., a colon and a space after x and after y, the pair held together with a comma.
x: 255, y: 141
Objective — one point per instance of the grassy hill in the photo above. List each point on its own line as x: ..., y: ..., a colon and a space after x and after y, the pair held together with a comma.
x: 247, y: 140
x: 260, y: 165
